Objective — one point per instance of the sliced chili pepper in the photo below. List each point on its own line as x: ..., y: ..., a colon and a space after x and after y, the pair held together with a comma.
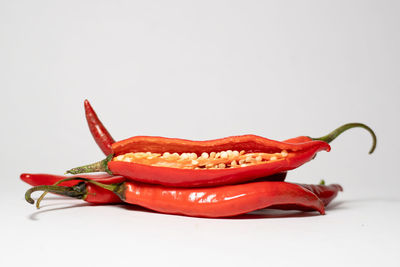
x: 100, y: 134
x: 186, y: 163
x: 223, y: 201
x: 104, y: 139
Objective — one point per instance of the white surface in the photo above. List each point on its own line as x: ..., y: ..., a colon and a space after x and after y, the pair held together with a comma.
x: 200, y: 70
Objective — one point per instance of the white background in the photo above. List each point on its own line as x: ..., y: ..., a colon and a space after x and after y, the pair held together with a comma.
x: 200, y: 70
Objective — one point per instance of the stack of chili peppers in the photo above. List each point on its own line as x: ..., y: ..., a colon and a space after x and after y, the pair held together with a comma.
x: 215, y: 178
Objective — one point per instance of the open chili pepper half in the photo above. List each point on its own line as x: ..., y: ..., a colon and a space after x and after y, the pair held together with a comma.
x: 222, y: 201
x: 104, y: 139
x: 230, y: 160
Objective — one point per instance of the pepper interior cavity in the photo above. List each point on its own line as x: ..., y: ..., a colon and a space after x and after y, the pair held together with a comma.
x: 212, y: 160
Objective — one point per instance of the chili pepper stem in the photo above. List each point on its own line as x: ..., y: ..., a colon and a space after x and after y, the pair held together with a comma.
x: 335, y: 133
x: 100, y: 166
x: 76, y: 191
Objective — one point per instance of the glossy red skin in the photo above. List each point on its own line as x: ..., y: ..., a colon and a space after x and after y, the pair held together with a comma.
x: 100, y: 134
x: 94, y: 194
x: 300, y: 153
x: 223, y: 201
x: 299, y: 139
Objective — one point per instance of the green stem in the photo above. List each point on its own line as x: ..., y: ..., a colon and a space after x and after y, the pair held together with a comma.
x: 76, y: 191
x: 100, y: 166
x: 335, y: 133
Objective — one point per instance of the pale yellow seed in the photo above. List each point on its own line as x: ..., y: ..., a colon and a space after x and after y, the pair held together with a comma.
x: 166, y: 154
x: 258, y: 158
x: 233, y: 163
x: 242, y: 152
x: 224, y: 155
x: 184, y: 156
x: 195, y: 162
x: 204, y: 155
x: 193, y: 155
x: 241, y: 161
x: 236, y: 153
x: 212, y: 155
x: 221, y: 165
x: 217, y: 155
x: 140, y: 155
x: 284, y: 153
x: 248, y: 159
x: 127, y: 159
x: 243, y: 165
x: 273, y: 158
x: 120, y: 157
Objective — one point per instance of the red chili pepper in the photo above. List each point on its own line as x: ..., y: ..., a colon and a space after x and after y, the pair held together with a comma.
x: 149, y: 159
x: 325, y: 192
x: 100, y: 134
x: 95, y: 194
x: 223, y: 201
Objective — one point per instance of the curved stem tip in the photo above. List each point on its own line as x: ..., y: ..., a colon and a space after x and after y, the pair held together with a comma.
x: 77, y: 191
x: 335, y: 133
